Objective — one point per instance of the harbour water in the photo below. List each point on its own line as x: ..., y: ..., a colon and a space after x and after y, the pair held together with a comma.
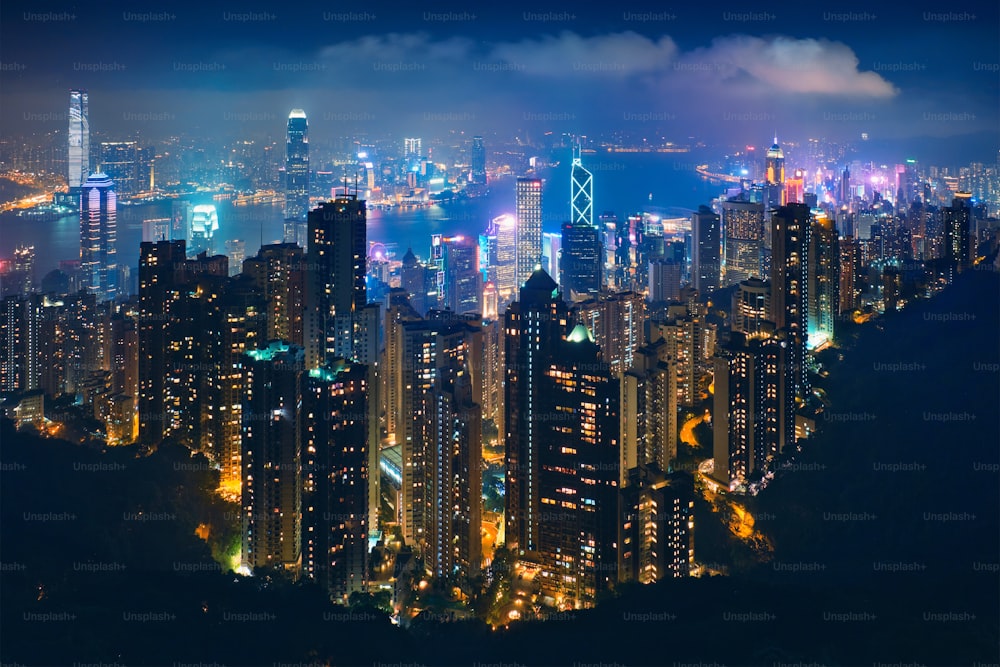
x: 624, y: 183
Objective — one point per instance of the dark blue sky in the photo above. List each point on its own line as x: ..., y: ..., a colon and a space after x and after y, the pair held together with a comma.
x: 721, y: 71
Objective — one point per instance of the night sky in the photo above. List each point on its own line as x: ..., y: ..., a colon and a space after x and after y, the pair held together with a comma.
x: 720, y: 72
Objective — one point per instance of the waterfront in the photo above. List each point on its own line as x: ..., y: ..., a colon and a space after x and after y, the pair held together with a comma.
x: 623, y: 184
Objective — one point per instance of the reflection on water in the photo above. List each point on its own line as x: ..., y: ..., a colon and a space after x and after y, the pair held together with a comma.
x: 622, y: 183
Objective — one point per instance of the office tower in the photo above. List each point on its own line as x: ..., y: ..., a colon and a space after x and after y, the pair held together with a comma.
x: 180, y: 220
x: 156, y: 229
x: 297, y: 166
x: 335, y: 478
x: 562, y: 448
x: 649, y: 411
x: 848, y: 292
x: 664, y: 280
x: 279, y: 271
x: 581, y: 261
x: 236, y: 251
x: 528, y: 206
x: 335, y: 284
x: 795, y: 188
x: 957, y: 222
x: 478, y: 161
x: 204, y: 223
x: 412, y: 147
x: 845, y: 198
x: 656, y: 538
x: 79, y: 138
x: 551, y: 253
x: 791, y: 227
x: 616, y: 321
x: 824, y: 281
x: 705, y: 250
x: 503, y: 266
x: 462, y: 279
x: 581, y: 192
x: 99, y: 237
x: 753, y: 416
x: 742, y: 232
x: 271, y: 458
x: 20, y: 344
x: 751, y: 306
x: 774, y: 177
x: 120, y: 161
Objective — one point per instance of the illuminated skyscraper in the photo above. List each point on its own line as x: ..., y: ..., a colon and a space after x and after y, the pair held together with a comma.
x: 580, y: 261
x: 99, y: 237
x: 478, y: 161
x: 616, y: 321
x: 412, y: 147
x: 957, y: 222
x: 279, y: 271
x: 462, y: 279
x: 649, y: 410
x: 297, y: 166
x: 335, y: 478
x: 202, y: 226
x: 79, y: 138
x: 656, y: 539
x: 791, y: 227
x: 742, y: 235
x: 774, y: 177
x: 528, y: 206
x: 581, y: 192
x: 753, y: 417
x: 335, y: 284
x: 824, y: 281
x: 705, y: 250
x: 271, y: 461
x: 502, y: 257
x: 751, y: 306
x: 848, y: 293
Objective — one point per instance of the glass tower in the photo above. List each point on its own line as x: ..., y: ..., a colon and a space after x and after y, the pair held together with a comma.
x: 79, y: 138
x: 297, y: 166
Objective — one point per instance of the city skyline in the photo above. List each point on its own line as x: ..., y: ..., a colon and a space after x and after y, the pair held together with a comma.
x: 396, y: 336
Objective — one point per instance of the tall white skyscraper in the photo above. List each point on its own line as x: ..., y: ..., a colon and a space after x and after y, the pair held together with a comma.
x: 528, y: 205
x: 79, y: 138
x: 297, y: 166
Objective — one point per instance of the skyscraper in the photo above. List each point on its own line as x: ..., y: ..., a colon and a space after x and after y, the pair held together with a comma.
x: 528, y: 206
x: 581, y: 260
x: 705, y: 250
x: 335, y: 478
x: 297, y: 166
x: 562, y: 448
x: 751, y: 306
x: 279, y: 271
x: 478, y: 161
x: 742, y: 235
x: 501, y: 264
x: 462, y: 279
x: 79, y: 138
x: 581, y: 192
x: 753, y: 417
x: 957, y: 222
x: 271, y: 461
x: 848, y: 293
x: 791, y: 227
x: 664, y: 280
x: 335, y: 285
x: 774, y: 177
x: 649, y: 410
x: 824, y: 281
x: 202, y: 226
x: 99, y: 237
